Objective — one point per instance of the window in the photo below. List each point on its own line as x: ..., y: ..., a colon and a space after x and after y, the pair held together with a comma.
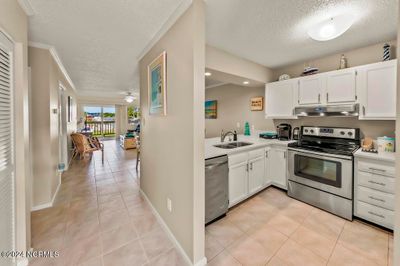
x: 100, y: 119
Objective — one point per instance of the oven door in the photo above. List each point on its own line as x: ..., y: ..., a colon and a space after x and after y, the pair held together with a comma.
x: 332, y: 174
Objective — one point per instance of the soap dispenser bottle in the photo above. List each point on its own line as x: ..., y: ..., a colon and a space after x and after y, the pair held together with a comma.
x: 247, y: 129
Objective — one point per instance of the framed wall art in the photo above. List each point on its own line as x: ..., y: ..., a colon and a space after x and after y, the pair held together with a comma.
x: 257, y: 103
x: 157, y: 83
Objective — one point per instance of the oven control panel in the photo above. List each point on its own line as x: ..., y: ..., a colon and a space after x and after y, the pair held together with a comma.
x: 332, y: 132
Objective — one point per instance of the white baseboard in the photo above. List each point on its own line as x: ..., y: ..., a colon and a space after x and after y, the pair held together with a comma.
x: 171, y: 236
x: 48, y: 204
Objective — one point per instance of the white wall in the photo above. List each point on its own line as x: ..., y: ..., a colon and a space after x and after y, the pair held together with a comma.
x: 233, y: 103
x: 178, y: 175
x: 220, y: 60
x: 45, y: 79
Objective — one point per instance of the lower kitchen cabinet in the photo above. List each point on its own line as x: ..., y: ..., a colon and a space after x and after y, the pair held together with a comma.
x: 237, y: 182
x: 256, y: 174
x: 246, y: 175
x: 374, y: 191
x: 254, y: 170
x: 277, y: 167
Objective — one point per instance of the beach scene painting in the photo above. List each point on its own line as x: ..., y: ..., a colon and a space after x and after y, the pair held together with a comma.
x: 211, y: 109
x: 157, y: 85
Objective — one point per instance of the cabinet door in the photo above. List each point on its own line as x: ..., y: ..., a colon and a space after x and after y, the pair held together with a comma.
x: 310, y: 90
x: 268, y: 167
x: 341, y: 86
x: 279, y: 102
x: 256, y: 174
x: 278, y: 169
x: 378, y: 86
x: 238, y: 182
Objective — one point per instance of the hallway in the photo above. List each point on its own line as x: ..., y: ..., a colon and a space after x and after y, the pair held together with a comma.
x: 101, y: 218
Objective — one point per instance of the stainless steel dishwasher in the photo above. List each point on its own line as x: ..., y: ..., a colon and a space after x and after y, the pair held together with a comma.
x: 217, y: 188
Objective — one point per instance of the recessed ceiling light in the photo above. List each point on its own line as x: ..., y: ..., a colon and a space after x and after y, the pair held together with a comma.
x: 246, y: 82
x: 207, y: 74
x: 331, y: 28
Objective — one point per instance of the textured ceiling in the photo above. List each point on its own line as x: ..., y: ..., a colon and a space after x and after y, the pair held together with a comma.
x: 99, y: 41
x: 274, y: 32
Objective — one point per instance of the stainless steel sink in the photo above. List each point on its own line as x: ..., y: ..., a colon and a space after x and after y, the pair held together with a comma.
x: 233, y: 145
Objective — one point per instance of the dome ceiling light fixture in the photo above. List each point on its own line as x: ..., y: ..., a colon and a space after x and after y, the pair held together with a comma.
x: 129, y: 98
x: 331, y: 28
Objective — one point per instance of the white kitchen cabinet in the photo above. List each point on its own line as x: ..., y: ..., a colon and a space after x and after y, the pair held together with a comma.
x: 310, y: 90
x: 246, y: 175
x: 278, y: 164
x: 341, y: 86
x: 238, y: 189
x: 377, y: 86
x: 256, y: 174
x: 374, y: 191
x: 280, y: 99
x: 268, y: 166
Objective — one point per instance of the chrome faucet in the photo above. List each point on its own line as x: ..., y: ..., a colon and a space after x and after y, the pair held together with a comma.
x: 224, y: 135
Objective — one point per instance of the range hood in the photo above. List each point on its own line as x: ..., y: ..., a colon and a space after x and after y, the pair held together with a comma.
x: 328, y: 110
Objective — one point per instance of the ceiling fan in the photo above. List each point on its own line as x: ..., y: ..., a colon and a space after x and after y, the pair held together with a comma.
x: 129, y: 98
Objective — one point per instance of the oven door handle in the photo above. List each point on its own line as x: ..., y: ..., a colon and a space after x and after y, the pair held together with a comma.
x: 320, y: 155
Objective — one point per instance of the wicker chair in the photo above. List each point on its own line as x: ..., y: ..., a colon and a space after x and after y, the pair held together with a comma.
x: 84, y: 145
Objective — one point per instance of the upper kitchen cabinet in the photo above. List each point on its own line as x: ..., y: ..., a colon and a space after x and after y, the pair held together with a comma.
x: 377, y: 87
x: 280, y: 98
x: 341, y: 86
x: 310, y: 89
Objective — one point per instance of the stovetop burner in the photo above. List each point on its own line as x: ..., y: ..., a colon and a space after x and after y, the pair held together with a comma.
x: 340, y: 141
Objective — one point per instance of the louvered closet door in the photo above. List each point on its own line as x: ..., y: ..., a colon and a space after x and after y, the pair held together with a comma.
x: 7, y: 195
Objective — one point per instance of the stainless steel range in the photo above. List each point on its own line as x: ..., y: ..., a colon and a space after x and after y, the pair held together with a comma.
x: 320, y: 168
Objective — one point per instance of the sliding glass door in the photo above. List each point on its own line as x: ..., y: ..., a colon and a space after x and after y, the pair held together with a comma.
x: 100, y: 120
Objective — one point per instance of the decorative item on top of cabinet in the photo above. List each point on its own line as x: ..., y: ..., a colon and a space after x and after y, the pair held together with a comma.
x: 284, y: 77
x: 343, y: 62
x: 386, y: 52
x: 257, y: 103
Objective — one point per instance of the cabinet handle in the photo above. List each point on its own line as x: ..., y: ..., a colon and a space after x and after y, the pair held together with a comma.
x: 266, y: 154
x: 377, y: 169
x: 373, y: 198
x: 247, y: 167
x: 319, y: 98
x: 376, y: 183
x: 363, y: 108
x: 251, y: 166
x: 284, y: 155
x: 327, y: 97
x: 379, y: 215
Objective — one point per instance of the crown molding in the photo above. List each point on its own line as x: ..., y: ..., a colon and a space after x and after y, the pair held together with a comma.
x: 56, y: 58
x: 178, y: 12
x: 26, y: 5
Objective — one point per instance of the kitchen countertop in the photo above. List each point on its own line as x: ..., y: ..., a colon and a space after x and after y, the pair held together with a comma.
x: 384, y: 156
x: 211, y: 151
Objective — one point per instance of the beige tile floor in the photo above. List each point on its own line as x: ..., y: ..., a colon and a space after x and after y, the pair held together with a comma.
x: 100, y: 218
x: 273, y: 229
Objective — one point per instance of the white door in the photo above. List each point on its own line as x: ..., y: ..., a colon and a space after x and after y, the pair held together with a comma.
x: 256, y: 174
x: 279, y: 102
x: 310, y: 90
x: 278, y: 168
x: 378, y: 86
x: 62, y: 127
x: 7, y: 170
x: 238, y: 182
x: 341, y: 86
